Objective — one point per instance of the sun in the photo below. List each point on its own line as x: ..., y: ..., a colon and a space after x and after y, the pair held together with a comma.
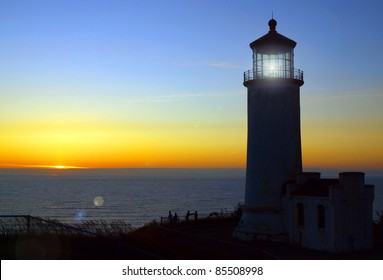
x: 59, y: 167
x: 41, y: 166
x: 65, y: 167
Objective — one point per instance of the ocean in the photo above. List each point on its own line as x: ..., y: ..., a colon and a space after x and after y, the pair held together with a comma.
x: 135, y: 196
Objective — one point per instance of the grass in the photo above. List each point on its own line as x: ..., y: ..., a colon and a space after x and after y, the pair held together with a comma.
x: 25, y: 237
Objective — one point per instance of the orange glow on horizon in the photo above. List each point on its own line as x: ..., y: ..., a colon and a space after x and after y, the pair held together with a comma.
x: 327, y: 142
x: 59, y: 167
x: 4, y: 165
x: 334, y: 144
x: 65, y: 167
x: 129, y: 146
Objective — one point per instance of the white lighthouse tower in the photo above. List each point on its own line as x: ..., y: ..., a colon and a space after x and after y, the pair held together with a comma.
x: 274, y: 139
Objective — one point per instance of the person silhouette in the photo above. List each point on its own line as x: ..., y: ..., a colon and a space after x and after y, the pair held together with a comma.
x: 170, y: 217
x: 187, y: 216
x: 195, y: 215
x: 175, y: 217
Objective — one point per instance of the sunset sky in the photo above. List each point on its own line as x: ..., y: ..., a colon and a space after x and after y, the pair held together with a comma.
x: 159, y: 83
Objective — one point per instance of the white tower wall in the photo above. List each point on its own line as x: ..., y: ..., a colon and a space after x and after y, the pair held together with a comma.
x: 273, y: 155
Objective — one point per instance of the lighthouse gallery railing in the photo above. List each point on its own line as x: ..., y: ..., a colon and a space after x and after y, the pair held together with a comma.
x: 287, y: 74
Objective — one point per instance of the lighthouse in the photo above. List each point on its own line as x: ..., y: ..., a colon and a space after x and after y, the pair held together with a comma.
x: 274, y: 156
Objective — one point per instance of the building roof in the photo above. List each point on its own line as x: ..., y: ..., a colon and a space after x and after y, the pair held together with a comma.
x: 273, y: 39
x: 315, y: 187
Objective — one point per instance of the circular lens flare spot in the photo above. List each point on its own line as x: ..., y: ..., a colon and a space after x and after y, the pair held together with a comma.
x: 80, y: 215
x: 98, y: 201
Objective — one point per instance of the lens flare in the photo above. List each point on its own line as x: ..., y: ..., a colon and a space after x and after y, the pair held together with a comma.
x: 98, y: 201
x: 80, y: 215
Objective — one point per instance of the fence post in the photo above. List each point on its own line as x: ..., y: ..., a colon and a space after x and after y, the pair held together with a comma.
x: 28, y: 223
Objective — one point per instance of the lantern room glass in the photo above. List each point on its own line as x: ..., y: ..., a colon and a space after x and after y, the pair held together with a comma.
x: 273, y: 65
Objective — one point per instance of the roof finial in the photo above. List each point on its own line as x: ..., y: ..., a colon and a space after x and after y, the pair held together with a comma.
x: 272, y: 25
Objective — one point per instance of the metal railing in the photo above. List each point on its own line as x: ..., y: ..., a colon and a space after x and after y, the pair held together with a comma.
x: 296, y: 74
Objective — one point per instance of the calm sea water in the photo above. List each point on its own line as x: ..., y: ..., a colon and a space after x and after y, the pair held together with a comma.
x: 136, y: 196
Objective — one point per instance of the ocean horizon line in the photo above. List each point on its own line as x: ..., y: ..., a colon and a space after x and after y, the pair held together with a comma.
x: 228, y: 171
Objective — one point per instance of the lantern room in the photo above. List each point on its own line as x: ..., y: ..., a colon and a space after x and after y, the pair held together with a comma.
x: 273, y: 57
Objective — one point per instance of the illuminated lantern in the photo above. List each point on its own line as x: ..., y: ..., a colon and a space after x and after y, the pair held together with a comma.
x: 273, y: 56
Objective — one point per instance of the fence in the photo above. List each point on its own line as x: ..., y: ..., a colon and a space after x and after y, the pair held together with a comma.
x: 18, y: 224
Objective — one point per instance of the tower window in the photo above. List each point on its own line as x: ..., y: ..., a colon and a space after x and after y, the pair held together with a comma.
x: 321, y: 218
x: 300, y: 215
x: 277, y: 65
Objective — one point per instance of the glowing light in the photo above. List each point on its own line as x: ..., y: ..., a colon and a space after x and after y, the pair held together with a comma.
x: 59, y: 167
x: 63, y: 167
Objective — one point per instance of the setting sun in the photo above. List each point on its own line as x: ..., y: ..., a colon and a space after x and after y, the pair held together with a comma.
x: 59, y: 167
x: 40, y: 166
x: 65, y: 167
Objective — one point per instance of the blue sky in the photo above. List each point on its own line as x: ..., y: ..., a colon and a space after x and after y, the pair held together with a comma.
x: 125, y: 41
x: 108, y: 45
x: 104, y: 65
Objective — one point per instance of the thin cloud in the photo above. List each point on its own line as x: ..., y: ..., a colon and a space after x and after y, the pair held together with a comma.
x: 220, y: 64
x: 10, y: 165
x: 326, y: 97
x: 161, y: 98
x: 174, y: 97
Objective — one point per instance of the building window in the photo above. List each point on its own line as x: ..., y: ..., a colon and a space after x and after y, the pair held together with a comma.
x: 321, y: 216
x: 300, y: 215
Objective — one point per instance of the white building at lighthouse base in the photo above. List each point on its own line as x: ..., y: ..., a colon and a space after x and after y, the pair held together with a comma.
x: 333, y: 215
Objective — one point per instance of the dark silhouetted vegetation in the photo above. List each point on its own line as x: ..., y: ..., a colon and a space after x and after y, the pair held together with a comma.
x: 26, y: 237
